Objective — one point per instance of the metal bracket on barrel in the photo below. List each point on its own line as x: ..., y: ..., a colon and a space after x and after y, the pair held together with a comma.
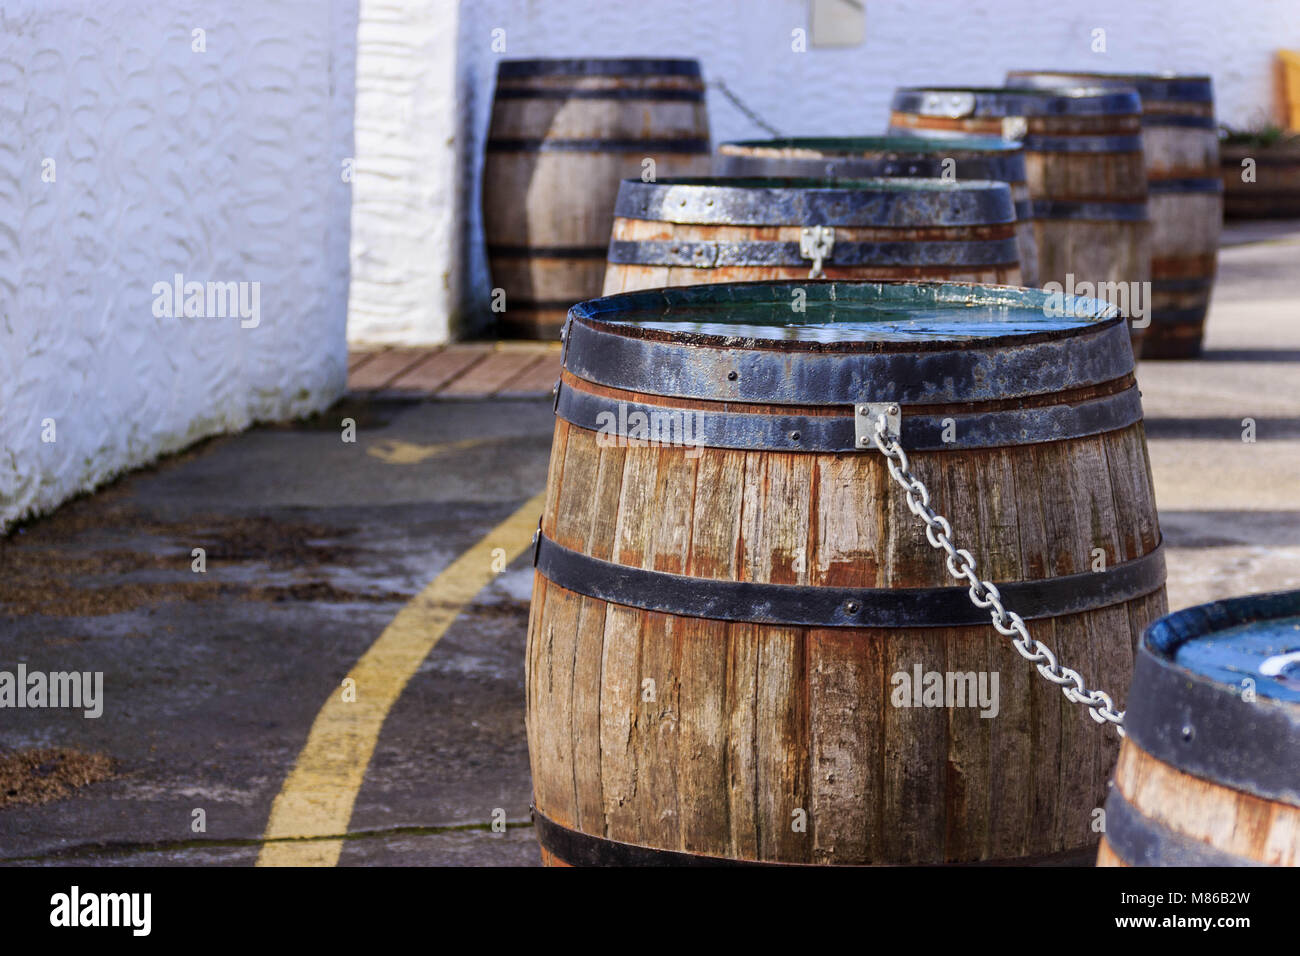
x: 537, y: 541
x: 865, y: 416
x: 816, y: 243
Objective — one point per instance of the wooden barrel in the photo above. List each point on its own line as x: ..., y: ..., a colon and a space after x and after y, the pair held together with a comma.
x: 1181, y: 145
x: 1087, y: 179
x: 696, y: 230
x: 868, y: 157
x: 1274, y: 190
x: 737, y: 624
x: 1209, y: 774
x: 563, y: 134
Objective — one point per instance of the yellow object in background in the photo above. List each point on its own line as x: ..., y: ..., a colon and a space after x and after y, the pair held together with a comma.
x: 1289, y: 80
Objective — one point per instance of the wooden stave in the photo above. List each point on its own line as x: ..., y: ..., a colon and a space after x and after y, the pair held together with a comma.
x: 1054, y: 176
x: 539, y: 290
x: 1276, y: 191
x: 599, y: 471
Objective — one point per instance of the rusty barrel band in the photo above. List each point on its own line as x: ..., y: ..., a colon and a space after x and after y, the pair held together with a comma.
x: 990, y: 371
x: 797, y: 605
x: 1186, y: 185
x: 538, y: 144
x: 777, y: 201
x: 996, y: 166
x: 1096, y: 211
x: 585, y: 850
x: 1205, y: 728
x: 576, y: 93
x: 1141, y: 841
x: 598, y: 66
x: 1194, y: 316
x: 1175, y: 120
x: 826, y: 433
x: 716, y: 254
x: 546, y: 252
x: 1035, y: 143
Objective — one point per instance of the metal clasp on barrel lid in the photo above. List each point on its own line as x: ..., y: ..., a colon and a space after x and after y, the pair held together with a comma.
x: 564, y: 338
x: 865, y: 416
x: 816, y: 243
x: 954, y: 105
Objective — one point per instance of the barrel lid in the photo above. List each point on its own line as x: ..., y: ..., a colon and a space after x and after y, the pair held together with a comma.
x: 1215, y: 693
x: 867, y: 315
x: 775, y: 201
x: 1253, y: 638
x: 955, y: 102
x: 1152, y: 87
x: 940, y: 141
x: 597, y: 66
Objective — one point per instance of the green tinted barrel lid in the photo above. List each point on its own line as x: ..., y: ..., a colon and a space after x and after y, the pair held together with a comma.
x: 845, y: 313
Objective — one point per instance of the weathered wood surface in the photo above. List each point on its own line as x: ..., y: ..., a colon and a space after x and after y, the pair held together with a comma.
x: 1225, y: 819
x: 744, y: 725
x: 625, y: 277
x: 548, y: 201
x: 1275, y: 191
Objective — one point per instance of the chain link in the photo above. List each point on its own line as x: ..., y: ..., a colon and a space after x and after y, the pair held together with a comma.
x: 984, y: 594
x: 749, y: 113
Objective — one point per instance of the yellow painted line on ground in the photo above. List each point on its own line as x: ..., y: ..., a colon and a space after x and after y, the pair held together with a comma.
x: 317, y: 797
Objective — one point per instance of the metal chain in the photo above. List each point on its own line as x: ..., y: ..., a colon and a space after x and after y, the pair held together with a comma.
x: 752, y: 116
x: 983, y: 594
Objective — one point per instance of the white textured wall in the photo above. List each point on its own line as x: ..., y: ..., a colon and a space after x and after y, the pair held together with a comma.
x: 747, y: 44
x: 222, y: 165
x: 406, y: 182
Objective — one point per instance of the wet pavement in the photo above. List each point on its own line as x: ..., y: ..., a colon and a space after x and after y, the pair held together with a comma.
x: 312, y: 545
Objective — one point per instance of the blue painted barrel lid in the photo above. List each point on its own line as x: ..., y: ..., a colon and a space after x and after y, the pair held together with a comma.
x: 1216, y: 693
x: 1255, y: 639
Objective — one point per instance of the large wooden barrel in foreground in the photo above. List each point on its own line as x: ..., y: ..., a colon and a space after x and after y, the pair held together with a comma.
x: 689, y: 231
x: 966, y: 157
x: 1181, y: 145
x: 1087, y: 179
x: 1209, y: 774
x: 563, y: 134
x: 741, y: 646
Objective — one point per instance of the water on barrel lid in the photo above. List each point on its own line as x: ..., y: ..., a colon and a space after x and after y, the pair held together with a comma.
x: 849, y: 322
x: 1267, y: 652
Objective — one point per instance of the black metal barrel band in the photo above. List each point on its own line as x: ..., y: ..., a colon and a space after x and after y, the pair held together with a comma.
x: 1083, y: 144
x: 792, y: 605
x: 1096, y: 211
x: 716, y: 254
x: 537, y: 144
x: 1208, y: 730
x: 604, y: 355
x: 686, y: 201
x: 1141, y: 841
x: 631, y: 422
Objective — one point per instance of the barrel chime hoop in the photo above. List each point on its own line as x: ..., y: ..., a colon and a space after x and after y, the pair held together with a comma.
x: 796, y: 605
x: 727, y: 371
